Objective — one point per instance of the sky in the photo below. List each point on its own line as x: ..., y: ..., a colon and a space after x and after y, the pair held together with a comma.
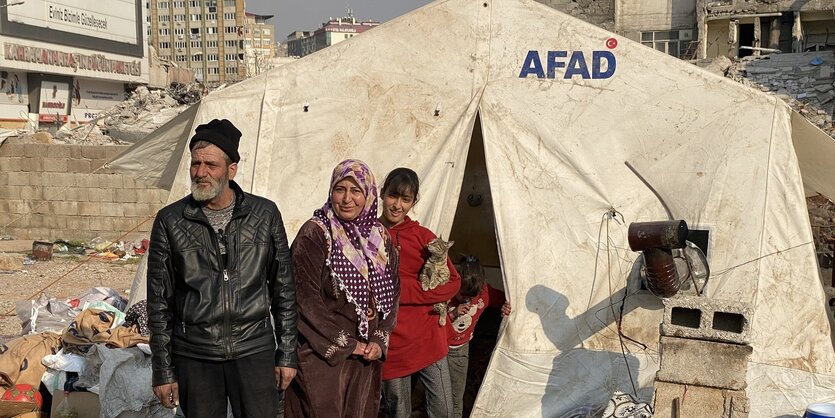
x: 292, y: 15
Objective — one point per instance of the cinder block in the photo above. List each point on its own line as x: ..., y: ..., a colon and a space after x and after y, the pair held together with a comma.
x: 114, y: 150
x: 54, y: 193
x: 88, y: 208
x: 78, y: 223
x: 128, y: 182
x: 101, y: 224
x: 78, y: 166
x: 10, y: 192
x: 57, y: 151
x: 63, y: 208
x: 138, y: 210
x: 707, y: 319
x: 18, y: 206
x: 11, y: 262
x: 35, y: 150
x: 99, y: 195
x: 18, y: 179
x: 125, y: 196
x: 39, y: 206
x: 111, y: 209
x: 55, y: 165
x: 93, y: 152
x: 31, y: 164
x: 703, y: 363
x: 11, y: 150
x: 98, y: 165
x: 109, y: 181
x: 31, y: 192
x: 697, y: 401
x: 10, y: 164
x: 75, y: 151
x: 76, y: 194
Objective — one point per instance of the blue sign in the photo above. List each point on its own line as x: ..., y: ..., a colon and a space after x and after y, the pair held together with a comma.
x: 572, y: 65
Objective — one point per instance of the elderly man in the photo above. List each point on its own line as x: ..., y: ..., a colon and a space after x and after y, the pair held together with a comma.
x: 218, y: 268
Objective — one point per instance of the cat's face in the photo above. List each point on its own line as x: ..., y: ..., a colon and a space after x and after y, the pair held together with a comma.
x: 438, y: 246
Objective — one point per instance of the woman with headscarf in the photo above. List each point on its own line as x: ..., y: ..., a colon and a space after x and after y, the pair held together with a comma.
x: 347, y: 291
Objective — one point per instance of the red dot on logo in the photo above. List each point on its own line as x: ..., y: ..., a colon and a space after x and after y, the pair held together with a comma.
x: 611, y: 43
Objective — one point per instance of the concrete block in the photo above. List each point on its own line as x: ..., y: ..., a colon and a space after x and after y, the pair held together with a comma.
x: 56, y: 165
x: 31, y: 192
x: 88, y: 208
x: 18, y: 207
x: 54, y: 193
x: 38, y: 179
x: 139, y: 210
x: 703, y: 363
x: 707, y: 319
x: 93, y: 151
x: 11, y: 262
x: 97, y: 165
x: 31, y: 164
x: 18, y: 179
x: 76, y: 194
x: 109, y: 181
x: 128, y: 182
x: 674, y: 400
x: 78, y: 223
x: 125, y: 196
x: 63, y: 179
x: 10, y: 192
x: 101, y: 224
x: 63, y: 208
x: 12, y: 150
x: 99, y: 195
x: 10, y: 164
x: 112, y: 209
x: 114, y: 150
x: 39, y: 207
x: 78, y: 165
x: 75, y: 151
x: 35, y: 150
x: 57, y: 151
x: 4, y: 177
x: 15, y: 246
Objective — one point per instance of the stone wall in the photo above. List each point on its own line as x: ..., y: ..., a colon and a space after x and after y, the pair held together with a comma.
x: 597, y: 12
x: 57, y: 191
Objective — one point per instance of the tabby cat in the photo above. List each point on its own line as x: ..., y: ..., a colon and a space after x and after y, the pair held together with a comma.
x: 435, y: 272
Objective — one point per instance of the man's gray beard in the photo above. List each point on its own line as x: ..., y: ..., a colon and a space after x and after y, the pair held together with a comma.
x: 202, y: 194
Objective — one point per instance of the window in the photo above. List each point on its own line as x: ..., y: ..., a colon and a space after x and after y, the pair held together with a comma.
x: 164, y: 45
x: 228, y: 16
x: 179, y: 18
x: 266, y: 32
x: 228, y: 3
x: 195, y: 18
x: 664, y: 41
x: 164, y: 32
x: 257, y: 43
x: 164, y: 18
x: 179, y: 31
x: 196, y: 44
x: 179, y: 4
x: 231, y: 70
x: 194, y: 3
x: 211, y: 57
x: 213, y: 70
x: 230, y: 57
x: 180, y: 58
x: 180, y: 44
x: 230, y: 29
x: 211, y: 16
x: 210, y: 30
x: 162, y: 5
x: 211, y: 44
x: 197, y: 57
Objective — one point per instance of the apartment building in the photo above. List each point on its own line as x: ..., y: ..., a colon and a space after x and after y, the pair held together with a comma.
x: 206, y: 36
x: 259, y: 43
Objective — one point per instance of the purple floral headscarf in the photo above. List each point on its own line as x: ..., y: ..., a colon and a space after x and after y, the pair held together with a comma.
x: 356, y: 252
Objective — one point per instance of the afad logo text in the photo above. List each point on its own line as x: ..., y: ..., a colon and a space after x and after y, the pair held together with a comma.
x: 602, y: 64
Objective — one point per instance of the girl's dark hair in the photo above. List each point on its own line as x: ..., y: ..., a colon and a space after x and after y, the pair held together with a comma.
x: 472, y: 276
x: 401, y: 181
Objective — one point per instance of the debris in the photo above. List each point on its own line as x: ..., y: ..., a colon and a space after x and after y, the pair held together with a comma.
x: 11, y: 262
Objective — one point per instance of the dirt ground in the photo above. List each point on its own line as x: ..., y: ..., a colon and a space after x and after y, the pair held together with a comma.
x: 95, y: 272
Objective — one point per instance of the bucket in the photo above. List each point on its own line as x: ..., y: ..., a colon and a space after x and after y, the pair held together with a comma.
x: 820, y: 410
x: 42, y: 251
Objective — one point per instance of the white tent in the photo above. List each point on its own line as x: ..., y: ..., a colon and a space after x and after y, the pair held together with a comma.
x: 561, y: 106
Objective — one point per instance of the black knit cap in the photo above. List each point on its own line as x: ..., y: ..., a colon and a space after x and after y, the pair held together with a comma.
x: 221, y: 133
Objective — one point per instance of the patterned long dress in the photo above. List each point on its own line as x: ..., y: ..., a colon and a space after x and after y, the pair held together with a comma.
x: 330, y: 381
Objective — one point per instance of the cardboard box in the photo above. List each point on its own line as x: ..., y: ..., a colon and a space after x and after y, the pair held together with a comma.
x: 86, y: 404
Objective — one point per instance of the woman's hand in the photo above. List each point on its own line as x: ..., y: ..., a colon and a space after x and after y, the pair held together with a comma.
x: 506, y: 309
x: 360, y: 349
x: 372, y: 351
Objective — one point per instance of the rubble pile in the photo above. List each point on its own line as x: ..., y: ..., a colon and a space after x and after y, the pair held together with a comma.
x: 806, y: 81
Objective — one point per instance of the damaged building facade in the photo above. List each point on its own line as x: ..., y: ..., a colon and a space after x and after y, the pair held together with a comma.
x: 739, y: 28
x: 66, y: 60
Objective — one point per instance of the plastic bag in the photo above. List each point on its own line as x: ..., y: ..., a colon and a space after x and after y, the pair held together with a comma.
x: 65, y: 410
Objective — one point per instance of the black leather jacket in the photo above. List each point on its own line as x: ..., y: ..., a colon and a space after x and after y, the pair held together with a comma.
x: 197, y: 308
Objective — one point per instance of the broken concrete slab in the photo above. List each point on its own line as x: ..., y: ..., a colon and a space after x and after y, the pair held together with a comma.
x: 15, y: 246
x: 673, y: 400
x: 704, y: 363
x: 11, y: 262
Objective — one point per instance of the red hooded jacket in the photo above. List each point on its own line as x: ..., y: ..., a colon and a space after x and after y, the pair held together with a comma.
x: 417, y: 340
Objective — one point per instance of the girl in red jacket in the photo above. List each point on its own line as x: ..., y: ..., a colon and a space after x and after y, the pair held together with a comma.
x: 418, y: 344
